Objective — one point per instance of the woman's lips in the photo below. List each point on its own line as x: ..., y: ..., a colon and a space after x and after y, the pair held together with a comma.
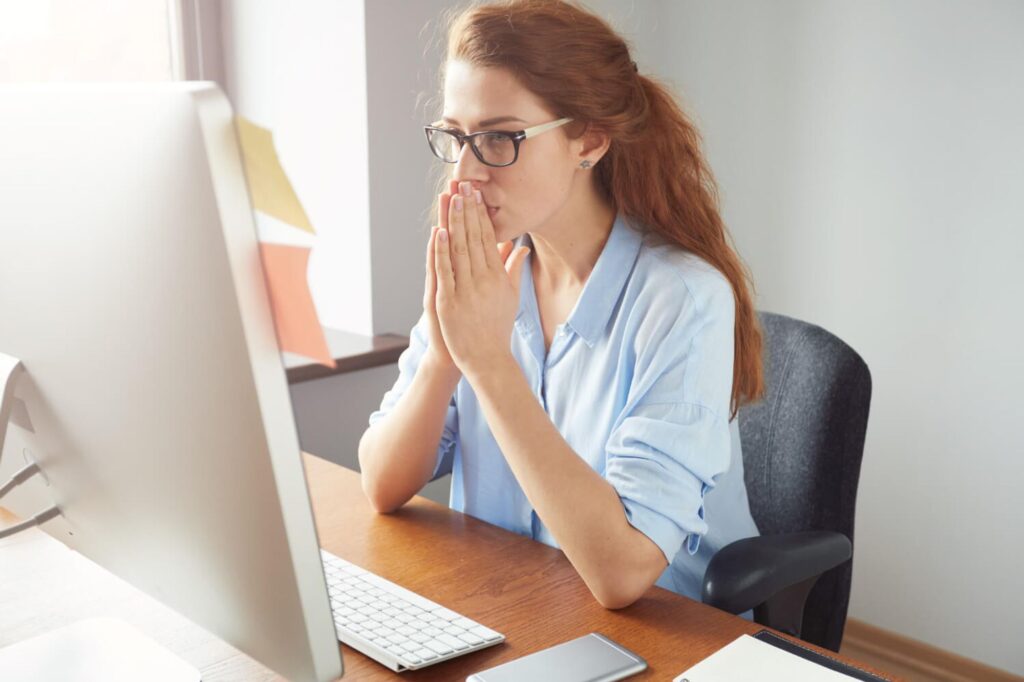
x: 491, y: 210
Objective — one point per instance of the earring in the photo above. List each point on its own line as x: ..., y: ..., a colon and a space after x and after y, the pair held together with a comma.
x: 585, y: 164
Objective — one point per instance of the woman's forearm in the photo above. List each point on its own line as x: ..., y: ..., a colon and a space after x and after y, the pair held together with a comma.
x: 398, y: 454
x: 580, y: 508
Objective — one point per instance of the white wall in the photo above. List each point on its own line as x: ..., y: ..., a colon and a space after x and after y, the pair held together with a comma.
x: 300, y: 69
x: 871, y: 162
x: 404, y: 48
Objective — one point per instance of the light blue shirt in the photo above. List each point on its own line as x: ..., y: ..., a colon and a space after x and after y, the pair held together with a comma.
x: 637, y: 381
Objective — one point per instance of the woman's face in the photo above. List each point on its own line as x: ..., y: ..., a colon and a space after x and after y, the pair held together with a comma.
x: 537, y: 185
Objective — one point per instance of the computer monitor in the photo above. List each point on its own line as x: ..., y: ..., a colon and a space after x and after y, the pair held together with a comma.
x: 154, y: 397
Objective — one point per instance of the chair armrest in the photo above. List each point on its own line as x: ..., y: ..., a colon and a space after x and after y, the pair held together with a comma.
x: 747, y: 573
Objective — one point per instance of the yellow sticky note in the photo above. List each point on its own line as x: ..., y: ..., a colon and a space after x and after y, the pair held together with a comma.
x: 269, y: 187
x: 295, y: 319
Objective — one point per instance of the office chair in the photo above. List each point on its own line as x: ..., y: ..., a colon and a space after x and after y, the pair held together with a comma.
x: 802, y: 448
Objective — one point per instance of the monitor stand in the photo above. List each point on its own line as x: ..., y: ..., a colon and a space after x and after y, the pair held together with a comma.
x: 93, y: 650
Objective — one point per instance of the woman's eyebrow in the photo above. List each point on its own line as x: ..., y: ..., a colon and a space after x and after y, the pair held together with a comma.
x: 488, y: 122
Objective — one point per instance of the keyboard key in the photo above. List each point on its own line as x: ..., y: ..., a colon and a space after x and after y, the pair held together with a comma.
x: 486, y: 634
x: 421, y: 626
x: 465, y: 623
x: 453, y: 642
x: 470, y: 638
x: 410, y: 658
x: 444, y: 613
x: 438, y: 647
x: 426, y: 654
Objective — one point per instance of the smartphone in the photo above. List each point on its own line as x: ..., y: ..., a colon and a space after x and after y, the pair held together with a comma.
x: 590, y: 658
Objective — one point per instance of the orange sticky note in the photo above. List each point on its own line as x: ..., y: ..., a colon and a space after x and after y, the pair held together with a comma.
x: 295, y: 319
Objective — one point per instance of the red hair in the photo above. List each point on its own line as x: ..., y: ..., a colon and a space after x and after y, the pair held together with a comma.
x: 654, y: 171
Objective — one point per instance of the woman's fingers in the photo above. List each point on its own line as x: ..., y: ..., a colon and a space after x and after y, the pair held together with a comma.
x: 444, y: 205
x: 458, y: 245
x: 442, y: 210
x: 487, y: 238
x: 474, y: 238
x: 443, y: 265
x: 431, y: 285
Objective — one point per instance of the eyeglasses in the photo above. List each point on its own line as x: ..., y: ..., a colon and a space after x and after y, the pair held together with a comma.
x: 496, y: 148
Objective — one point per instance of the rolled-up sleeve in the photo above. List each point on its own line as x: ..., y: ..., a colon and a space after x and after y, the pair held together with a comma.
x: 408, y: 363
x: 662, y: 459
x: 672, y: 439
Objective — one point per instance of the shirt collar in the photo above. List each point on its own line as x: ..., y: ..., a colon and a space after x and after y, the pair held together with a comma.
x: 589, y: 318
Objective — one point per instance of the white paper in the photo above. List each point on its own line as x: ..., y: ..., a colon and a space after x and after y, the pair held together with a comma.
x: 747, y: 658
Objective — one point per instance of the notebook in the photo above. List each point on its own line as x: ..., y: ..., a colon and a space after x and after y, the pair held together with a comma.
x: 766, y: 657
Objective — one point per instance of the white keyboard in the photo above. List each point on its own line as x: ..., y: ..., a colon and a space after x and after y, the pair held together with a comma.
x: 394, y: 626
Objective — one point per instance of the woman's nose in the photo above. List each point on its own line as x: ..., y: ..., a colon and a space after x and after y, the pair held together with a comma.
x: 468, y: 167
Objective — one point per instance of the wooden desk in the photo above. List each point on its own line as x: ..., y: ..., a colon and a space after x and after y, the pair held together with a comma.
x: 522, y: 588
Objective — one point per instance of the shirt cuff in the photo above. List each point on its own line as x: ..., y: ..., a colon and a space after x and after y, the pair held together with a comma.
x: 661, y: 530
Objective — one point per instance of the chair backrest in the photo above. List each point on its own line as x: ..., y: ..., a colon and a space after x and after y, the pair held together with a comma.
x: 802, y: 449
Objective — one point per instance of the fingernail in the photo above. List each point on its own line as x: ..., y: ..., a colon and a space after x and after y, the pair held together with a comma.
x: 466, y: 188
x: 479, y: 196
x: 458, y: 202
x: 443, y: 235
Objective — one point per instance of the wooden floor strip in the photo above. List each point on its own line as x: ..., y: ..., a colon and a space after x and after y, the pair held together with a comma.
x: 912, y: 660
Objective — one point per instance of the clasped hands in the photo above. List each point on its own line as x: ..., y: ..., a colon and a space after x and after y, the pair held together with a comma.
x: 476, y: 282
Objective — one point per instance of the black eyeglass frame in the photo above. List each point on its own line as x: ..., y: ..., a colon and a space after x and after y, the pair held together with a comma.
x: 515, y: 136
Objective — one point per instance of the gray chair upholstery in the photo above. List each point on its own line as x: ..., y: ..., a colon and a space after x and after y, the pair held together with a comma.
x: 802, y: 449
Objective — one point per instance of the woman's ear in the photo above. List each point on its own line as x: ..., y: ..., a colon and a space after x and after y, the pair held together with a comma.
x: 592, y: 144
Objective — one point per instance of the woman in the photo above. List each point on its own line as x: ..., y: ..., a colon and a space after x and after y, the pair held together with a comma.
x: 587, y: 334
